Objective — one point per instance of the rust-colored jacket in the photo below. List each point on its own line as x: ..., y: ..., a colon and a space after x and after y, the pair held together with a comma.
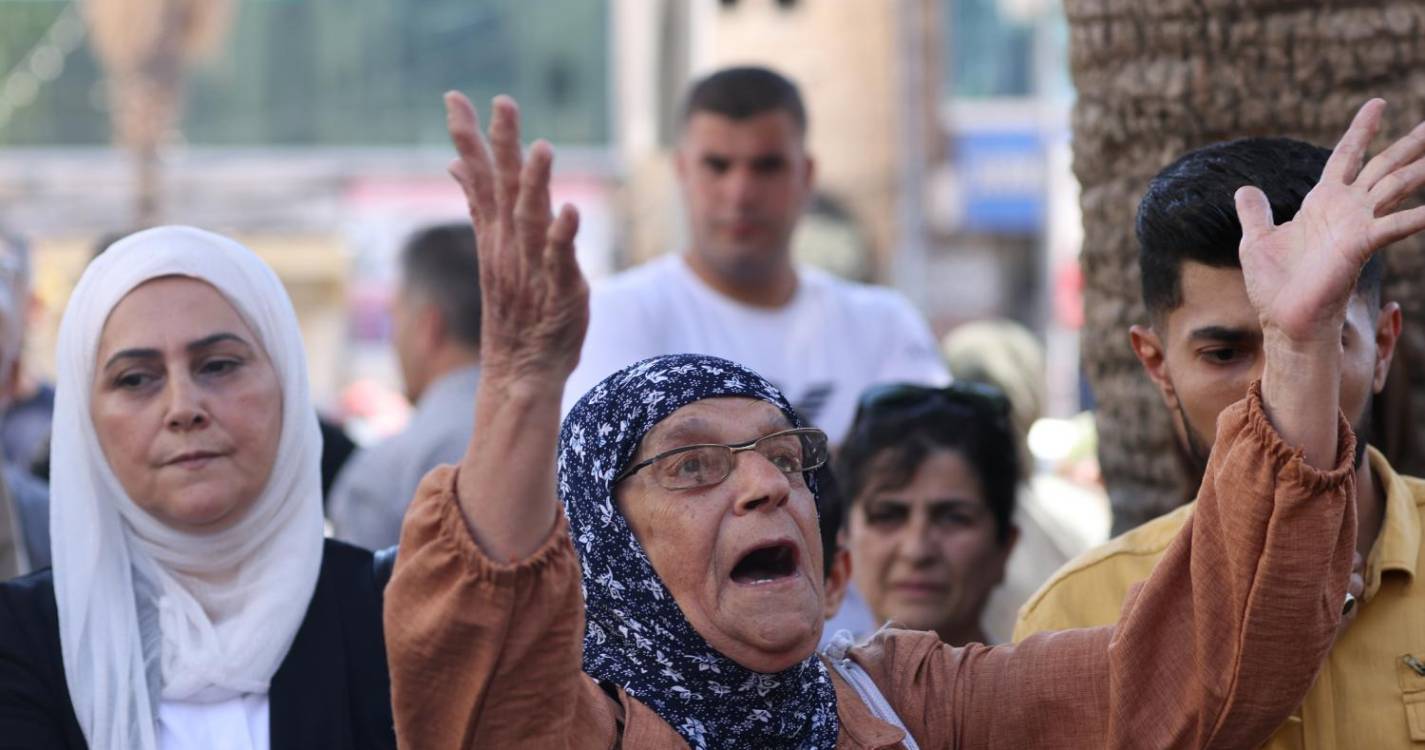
x: 1215, y: 649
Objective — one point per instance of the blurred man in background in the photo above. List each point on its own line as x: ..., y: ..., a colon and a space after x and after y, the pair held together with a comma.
x: 436, y: 335
x: 746, y: 178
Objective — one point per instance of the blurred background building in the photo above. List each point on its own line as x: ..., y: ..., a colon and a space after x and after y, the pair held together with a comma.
x: 313, y: 130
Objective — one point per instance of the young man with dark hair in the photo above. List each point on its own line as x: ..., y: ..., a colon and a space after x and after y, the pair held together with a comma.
x: 1202, y: 348
x: 746, y: 177
x: 436, y: 335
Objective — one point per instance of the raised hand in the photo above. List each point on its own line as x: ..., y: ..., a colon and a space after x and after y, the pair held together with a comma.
x: 1300, y: 274
x: 534, y: 300
x: 535, y: 309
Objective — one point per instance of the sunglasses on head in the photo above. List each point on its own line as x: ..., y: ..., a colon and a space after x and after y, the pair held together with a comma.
x: 880, y: 400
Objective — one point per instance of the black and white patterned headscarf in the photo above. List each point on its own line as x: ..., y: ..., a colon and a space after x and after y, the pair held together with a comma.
x: 636, y: 635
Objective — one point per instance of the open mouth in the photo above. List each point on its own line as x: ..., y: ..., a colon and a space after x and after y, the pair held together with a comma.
x: 767, y: 563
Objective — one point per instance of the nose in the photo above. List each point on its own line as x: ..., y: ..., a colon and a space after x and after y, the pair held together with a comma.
x: 915, y: 543
x: 740, y: 185
x: 760, y: 485
x: 186, y: 410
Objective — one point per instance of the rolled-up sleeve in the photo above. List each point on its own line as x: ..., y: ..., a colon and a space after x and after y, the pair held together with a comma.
x: 486, y: 654
x: 1215, y: 649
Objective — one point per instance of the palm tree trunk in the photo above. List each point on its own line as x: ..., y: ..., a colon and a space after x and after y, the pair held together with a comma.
x: 1156, y: 79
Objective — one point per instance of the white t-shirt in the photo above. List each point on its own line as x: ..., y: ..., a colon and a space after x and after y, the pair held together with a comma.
x: 833, y: 339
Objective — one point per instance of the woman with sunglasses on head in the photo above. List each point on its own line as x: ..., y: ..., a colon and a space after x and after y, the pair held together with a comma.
x: 649, y: 576
x: 930, y: 476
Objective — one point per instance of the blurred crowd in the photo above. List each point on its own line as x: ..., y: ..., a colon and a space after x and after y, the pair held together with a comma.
x: 932, y: 511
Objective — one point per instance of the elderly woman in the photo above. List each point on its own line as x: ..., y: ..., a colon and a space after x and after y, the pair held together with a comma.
x: 675, y: 598
x: 193, y: 602
x: 930, y: 476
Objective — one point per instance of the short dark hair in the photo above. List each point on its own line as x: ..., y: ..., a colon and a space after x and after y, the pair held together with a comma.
x: 439, y: 262
x: 1189, y: 212
x: 898, y: 441
x: 743, y: 92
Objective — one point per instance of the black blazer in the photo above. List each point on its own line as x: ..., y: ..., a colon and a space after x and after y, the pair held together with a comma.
x: 332, y: 690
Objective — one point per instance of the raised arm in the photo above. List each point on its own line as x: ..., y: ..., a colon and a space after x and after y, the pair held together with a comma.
x: 1221, y: 642
x: 536, y: 309
x: 484, y: 616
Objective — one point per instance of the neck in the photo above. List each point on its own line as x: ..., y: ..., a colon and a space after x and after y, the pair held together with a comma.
x: 773, y: 290
x: 445, y: 361
x: 1370, y: 508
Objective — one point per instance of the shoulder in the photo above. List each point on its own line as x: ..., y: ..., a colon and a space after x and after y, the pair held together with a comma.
x: 640, y: 296
x: 29, y: 633
x: 872, y: 298
x: 1417, y: 489
x: 28, y: 599
x: 35, y: 706
x: 879, y: 309
x: 24, y: 486
x: 347, y: 563
x: 891, y: 646
x: 641, y: 279
x: 346, y: 606
x: 1089, y: 589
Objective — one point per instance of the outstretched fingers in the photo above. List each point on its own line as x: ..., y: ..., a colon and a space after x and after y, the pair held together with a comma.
x: 1254, y: 212
x: 505, y: 143
x: 531, y: 211
x: 472, y: 170
x: 1346, y: 158
x: 559, y: 257
x: 1402, y: 153
x: 1397, y: 226
x: 1397, y: 186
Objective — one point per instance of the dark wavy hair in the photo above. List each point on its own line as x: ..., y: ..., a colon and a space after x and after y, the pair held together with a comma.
x: 891, y: 442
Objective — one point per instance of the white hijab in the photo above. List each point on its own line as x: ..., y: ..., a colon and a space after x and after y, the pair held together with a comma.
x: 136, y: 625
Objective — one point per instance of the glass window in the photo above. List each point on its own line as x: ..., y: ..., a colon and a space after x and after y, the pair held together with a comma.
x: 1005, y: 48
x: 347, y: 72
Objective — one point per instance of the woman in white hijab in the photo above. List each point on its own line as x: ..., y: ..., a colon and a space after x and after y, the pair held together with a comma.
x: 193, y: 602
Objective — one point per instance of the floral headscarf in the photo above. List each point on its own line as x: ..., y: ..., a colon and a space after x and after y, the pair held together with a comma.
x: 636, y: 635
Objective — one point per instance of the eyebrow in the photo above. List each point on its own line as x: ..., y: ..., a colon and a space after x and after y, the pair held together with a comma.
x: 1224, y: 333
x: 697, y: 430
x: 950, y: 502
x: 191, y: 347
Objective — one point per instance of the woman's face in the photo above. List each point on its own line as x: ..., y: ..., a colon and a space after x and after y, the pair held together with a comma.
x: 923, y: 552
x: 741, y: 558
x: 187, y: 406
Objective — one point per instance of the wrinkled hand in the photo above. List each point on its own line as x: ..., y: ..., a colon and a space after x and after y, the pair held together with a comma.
x: 534, y: 300
x: 1300, y: 274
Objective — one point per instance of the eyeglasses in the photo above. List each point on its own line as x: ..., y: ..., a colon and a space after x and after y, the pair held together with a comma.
x: 902, y: 396
x: 704, y: 465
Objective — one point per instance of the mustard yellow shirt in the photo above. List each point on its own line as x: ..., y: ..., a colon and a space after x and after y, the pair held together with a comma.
x: 1371, y: 690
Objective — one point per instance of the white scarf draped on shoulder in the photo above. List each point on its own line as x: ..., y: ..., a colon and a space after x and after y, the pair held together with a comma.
x: 137, y: 622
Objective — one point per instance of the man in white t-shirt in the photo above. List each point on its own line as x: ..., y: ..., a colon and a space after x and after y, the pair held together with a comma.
x: 746, y: 178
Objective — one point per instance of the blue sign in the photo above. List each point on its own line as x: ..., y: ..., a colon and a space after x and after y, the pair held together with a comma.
x: 1003, y: 181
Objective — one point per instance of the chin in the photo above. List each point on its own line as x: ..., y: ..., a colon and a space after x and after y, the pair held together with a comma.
x: 774, y: 641
x: 202, y: 511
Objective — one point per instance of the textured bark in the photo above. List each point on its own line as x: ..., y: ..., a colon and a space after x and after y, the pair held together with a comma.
x: 1156, y: 79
